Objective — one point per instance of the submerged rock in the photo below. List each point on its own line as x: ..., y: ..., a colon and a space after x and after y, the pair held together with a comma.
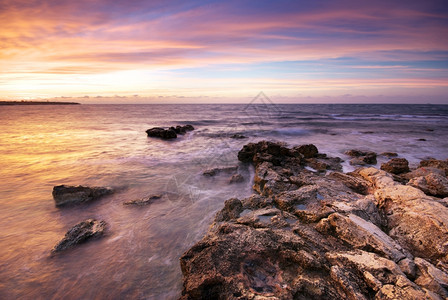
x: 311, y: 235
x: 143, y: 201
x: 80, y: 233
x: 66, y: 195
x: 215, y: 171
x: 236, y: 178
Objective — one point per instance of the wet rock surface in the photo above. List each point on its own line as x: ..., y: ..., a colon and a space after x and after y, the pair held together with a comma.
x: 170, y: 133
x: 65, y: 195
x: 143, y: 201
x: 80, y: 233
x: 320, y: 235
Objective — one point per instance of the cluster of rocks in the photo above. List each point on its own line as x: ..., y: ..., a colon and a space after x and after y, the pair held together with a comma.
x: 65, y: 195
x: 170, y: 133
x: 309, y: 234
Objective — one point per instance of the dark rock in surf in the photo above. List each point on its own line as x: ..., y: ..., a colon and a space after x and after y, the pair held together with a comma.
x: 66, y: 195
x: 389, y: 154
x: 215, y: 171
x: 80, y: 233
x: 143, y: 201
x: 170, y: 133
x: 238, y: 136
x: 162, y: 133
x: 236, y: 178
x: 396, y: 166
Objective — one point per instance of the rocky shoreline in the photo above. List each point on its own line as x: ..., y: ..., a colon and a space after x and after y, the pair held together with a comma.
x: 313, y: 232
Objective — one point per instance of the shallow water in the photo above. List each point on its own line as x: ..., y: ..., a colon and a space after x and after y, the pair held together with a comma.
x: 106, y: 145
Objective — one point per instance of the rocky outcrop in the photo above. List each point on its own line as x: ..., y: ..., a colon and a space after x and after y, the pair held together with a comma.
x: 66, y: 195
x: 320, y: 235
x: 170, y: 133
x: 143, y: 201
x: 396, y: 166
x: 80, y: 233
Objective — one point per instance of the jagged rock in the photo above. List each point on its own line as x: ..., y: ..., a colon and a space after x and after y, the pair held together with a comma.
x: 236, y: 178
x: 182, y: 129
x: 66, y: 195
x: 431, y: 277
x: 214, y: 171
x: 396, y: 166
x: 389, y: 154
x: 412, y: 216
x: 358, y: 185
x: 80, y: 233
x: 439, y: 164
x: 143, y: 201
x: 432, y: 184
x: 308, y: 151
x: 355, y: 153
x: 162, y: 133
x: 362, y: 234
x: 307, y: 235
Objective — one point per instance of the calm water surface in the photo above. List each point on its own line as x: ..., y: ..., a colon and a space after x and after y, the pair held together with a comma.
x: 106, y: 145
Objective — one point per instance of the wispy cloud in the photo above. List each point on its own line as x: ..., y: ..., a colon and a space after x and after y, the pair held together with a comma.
x: 51, y: 41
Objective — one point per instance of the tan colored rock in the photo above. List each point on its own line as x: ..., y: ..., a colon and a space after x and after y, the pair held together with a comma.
x: 432, y: 184
x: 439, y: 164
x: 431, y: 277
x: 362, y: 234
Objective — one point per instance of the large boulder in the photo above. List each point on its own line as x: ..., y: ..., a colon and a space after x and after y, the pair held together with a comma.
x: 396, y: 166
x: 308, y: 151
x: 66, y: 195
x: 80, y: 233
x: 432, y: 184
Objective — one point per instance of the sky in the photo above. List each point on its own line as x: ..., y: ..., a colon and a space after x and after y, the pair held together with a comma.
x: 136, y: 51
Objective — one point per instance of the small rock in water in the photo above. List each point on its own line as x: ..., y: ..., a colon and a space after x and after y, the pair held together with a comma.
x: 214, y: 171
x: 143, y: 201
x: 80, y: 233
x: 237, y: 178
x: 421, y: 140
x: 389, y: 154
x: 361, y: 157
x: 238, y: 136
x: 396, y: 166
x: 65, y: 194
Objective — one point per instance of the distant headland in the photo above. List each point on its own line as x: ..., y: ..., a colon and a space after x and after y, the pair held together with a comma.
x: 37, y: 103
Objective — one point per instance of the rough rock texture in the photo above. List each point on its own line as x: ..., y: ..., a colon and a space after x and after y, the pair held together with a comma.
x: 80, y: 233
x: 170, y: 133
x: 396, y: 166
x: 389, y: 154
x: 308, y: 151
x: 143, y: 201
x: 319, y: 235
x: 432, y: 184
x: 236, y: 178
x: 438, y: 164
x: 215, y: 171
x: 66, y: 195
x: 361, y: 157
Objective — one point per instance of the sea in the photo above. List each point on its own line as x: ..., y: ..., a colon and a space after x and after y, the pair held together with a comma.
x: 106, y: 145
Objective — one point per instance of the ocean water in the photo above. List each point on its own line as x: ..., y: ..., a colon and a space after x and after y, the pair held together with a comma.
x: 106, y: 145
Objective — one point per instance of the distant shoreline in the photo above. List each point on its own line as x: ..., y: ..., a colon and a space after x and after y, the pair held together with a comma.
x: 37, y: 103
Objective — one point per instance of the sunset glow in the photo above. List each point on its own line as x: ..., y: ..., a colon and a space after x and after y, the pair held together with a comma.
x: 228, y: 50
